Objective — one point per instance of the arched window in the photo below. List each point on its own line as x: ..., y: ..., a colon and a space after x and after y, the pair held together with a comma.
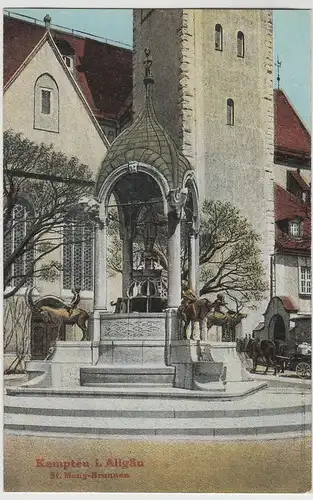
x: 46, y: 109
x: 14, y: 240
x: 240, y: 44
x: 218, y: 37
x: 230, y: 112
x: 78, y: 257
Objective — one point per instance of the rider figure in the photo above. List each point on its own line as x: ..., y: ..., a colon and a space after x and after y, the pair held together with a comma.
x: 188, y: 297
x: 218, y: 303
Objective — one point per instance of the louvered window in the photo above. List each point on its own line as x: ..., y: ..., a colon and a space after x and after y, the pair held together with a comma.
x: 78, y: 257
x: 46, y: 101
x: 15, y: 241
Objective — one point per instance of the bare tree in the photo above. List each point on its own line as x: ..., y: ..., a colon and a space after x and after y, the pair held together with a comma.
x: 230, y: 256
x: 52, y: 186
x: 16, y: 331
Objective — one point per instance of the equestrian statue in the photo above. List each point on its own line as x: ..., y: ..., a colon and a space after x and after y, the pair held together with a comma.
x: 194, y: 310
x: 54, y: 310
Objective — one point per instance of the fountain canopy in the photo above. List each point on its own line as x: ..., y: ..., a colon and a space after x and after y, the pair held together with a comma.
x: 154, y: 191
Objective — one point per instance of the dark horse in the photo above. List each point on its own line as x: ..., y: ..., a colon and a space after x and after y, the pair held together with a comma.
x: 265, y: 351
x: 281, y: 348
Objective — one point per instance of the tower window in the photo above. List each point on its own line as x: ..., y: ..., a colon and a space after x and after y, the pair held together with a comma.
x: 240, y: 44
x: 230, y: 112
x: 46, y: 101
x: 218, y: 37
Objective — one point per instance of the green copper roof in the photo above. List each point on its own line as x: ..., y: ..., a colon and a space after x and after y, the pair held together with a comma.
x: 146, y: 141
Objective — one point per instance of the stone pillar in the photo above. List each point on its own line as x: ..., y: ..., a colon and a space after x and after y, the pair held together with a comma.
x: 100, y: 287
x: 192, y: 264
x: 127, y: 259
x: 100, y: 268
x: 197, y: 257
x: 174, y: 279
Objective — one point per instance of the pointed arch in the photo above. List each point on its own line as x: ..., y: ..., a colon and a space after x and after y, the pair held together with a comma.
x: 218, y: 37
x: 230, y: 112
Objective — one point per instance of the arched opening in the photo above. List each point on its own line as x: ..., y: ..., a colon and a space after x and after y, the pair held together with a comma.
x: 43, y: 336
x: 138, y: 230
x: 218, y: 37
x: 240, y: 44
x: 230, y: 112
x: 279, y: 330
x: 46, y: 104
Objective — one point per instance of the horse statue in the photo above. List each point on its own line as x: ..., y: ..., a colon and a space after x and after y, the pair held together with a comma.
x: 54, y: 310
x: 193, y: 310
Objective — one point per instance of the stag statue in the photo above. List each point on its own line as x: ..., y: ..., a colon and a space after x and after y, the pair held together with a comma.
x: 55, y: 310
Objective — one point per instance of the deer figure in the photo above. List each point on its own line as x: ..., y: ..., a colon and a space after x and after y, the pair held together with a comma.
x: 55, y: 310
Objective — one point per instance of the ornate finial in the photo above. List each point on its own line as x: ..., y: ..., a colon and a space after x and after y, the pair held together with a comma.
x: 148, y: 79
x: 47, y: 21
x: 278, y: 64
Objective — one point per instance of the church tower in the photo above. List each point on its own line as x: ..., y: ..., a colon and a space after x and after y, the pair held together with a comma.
x: 214, y: 95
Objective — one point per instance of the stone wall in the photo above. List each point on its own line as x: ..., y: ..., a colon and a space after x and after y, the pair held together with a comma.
x: 287, y: 279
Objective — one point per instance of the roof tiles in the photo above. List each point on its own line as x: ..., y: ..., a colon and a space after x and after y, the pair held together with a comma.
x: 103, y: 71
x: 291, y: 136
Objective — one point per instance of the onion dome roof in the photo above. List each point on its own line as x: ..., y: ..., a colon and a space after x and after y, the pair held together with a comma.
x: 146, y: 141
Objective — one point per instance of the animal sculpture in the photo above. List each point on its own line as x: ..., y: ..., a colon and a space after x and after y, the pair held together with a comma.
x: 194, y: 312
x: 228, y: 319
x: 55, y: 310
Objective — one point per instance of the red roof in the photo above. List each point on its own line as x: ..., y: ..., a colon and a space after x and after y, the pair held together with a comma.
x: 103, y: 71
x: 301, y: 182
x: 104, y: 74
x: 287, y: 208
x: 289, y: 305
x: 291, y: 136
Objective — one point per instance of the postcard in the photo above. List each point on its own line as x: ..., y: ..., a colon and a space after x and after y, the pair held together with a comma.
x: 157, y: 250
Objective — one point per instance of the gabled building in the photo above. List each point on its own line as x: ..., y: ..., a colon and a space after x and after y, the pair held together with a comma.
x: 52, y: 95
x: 102, y: 71
x: 291, y: 261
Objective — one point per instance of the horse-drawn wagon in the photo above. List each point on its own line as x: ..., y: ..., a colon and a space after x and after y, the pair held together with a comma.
x: 300, y: 362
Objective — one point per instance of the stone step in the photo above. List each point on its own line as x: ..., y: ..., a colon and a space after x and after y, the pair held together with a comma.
x: 154, y: 391
x: 299, y: 423
x: 257, y: 405
x: 103, y: 375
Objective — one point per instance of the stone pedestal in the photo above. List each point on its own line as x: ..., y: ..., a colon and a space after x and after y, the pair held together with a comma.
x: 209, y: 366
x: 62, y: 367
x: 132, y: 339
x: 133, y: 349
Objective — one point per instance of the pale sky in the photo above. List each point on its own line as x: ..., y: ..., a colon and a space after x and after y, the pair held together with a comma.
x: 292, y: 43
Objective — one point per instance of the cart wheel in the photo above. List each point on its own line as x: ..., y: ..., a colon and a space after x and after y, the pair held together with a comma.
x: 303, y: 370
